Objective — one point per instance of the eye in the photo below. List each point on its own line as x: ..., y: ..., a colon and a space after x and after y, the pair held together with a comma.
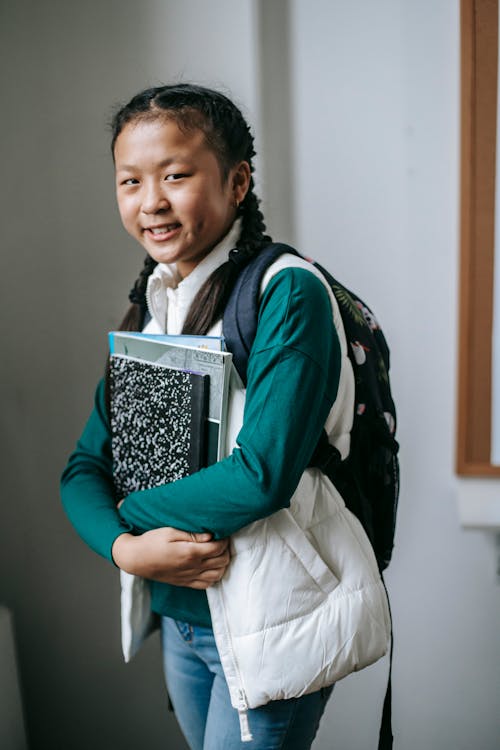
x: 175, y: 176
x: 130, y: 181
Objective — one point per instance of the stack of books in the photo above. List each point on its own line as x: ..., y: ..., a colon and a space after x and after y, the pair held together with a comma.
x: 168, y: 406
x: 168, y: 410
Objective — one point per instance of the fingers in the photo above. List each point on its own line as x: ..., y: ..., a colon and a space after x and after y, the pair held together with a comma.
x: 172, y: 556
x: 206, y: 579
x: 208, y: 547
x: 194, y: 562
x: 204, y: 573
x: 177, y: 535
x: 218, y: 561
x: 209, y: 550
x: 211, y: 547
x: 200, y: 537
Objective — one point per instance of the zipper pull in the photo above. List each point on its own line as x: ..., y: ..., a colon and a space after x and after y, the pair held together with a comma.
x: 246, y: 735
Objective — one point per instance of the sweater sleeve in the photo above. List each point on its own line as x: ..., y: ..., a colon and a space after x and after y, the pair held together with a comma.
x: 87, y: 490
x: 293, y: 375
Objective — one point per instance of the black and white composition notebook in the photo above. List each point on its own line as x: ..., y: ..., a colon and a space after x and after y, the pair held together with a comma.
x: 196, y: 354
x: 158, y: 423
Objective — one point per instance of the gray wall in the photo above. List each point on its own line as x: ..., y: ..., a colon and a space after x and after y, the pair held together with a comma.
x: 67, y: 266
x: 356, y: 108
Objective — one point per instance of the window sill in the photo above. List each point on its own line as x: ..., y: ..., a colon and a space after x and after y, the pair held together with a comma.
x: 479, y: 503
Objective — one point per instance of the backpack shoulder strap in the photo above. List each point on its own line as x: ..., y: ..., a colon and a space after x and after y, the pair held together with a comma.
x: 239, y: 323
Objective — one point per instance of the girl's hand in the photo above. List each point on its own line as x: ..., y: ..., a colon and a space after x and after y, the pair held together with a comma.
x: 172, y: 556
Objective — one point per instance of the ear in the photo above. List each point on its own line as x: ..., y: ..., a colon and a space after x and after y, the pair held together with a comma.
x: 240, y: 181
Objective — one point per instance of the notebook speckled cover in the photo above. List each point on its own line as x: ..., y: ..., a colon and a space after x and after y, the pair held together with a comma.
x: 158, y: 423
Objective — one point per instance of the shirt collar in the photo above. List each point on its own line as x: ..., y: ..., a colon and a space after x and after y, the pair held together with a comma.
x: 166, y: 285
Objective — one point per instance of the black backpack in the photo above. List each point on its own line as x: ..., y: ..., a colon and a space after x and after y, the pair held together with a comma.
x: 368, y: 479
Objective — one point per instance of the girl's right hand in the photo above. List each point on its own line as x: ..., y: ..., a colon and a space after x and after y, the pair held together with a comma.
x: 172, y: 556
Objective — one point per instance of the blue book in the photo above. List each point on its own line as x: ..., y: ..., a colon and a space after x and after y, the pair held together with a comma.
x: 216, y: 343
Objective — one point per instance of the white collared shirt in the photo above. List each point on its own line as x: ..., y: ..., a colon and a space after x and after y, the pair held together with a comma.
x: 169, y: 296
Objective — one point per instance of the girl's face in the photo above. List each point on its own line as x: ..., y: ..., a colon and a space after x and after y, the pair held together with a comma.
x: 171, y: 194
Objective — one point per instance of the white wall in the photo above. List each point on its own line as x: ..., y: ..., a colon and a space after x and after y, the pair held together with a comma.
x: 375, y: 90
x: 367, y: 95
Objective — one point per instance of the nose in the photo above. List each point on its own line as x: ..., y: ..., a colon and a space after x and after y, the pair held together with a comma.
x: 154, y: 199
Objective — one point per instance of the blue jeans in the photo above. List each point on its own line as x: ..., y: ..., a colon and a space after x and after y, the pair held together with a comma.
x: 202, y: 705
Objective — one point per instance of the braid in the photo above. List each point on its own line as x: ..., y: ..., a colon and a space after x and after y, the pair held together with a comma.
x: 253, y: 230
x: 134, y: 317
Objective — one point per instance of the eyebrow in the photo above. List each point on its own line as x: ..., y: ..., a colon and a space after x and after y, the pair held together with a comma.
x: 161, y: 164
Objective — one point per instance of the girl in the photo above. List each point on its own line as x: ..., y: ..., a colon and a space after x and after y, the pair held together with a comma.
x: 266, y: 586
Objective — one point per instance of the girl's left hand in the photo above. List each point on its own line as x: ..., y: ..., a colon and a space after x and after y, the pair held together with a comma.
x: 172, y: 556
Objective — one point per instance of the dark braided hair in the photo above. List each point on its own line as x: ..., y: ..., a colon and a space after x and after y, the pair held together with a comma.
x: 194, y: 107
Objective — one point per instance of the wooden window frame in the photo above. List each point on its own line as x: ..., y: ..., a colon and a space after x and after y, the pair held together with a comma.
x: 479, y: 66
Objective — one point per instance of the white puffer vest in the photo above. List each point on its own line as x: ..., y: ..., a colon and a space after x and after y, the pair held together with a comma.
x: 302, y: 603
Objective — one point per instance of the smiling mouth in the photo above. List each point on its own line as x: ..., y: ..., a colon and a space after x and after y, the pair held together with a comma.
x: 164, y: 232
x: 164, y: 228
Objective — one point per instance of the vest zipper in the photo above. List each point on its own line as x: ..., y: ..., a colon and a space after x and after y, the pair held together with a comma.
x: 246, y: 734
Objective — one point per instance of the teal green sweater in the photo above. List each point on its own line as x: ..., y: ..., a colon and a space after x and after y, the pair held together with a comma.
x: 293, y: 374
